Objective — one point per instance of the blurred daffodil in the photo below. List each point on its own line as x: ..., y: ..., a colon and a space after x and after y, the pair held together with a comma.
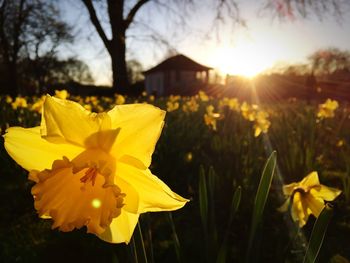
x: 261, y: 124
x: 38, y: 104
x: 151, y: 98
x: 119, y: 99
x: 61, y: 94
x: 259, y: 117
x: 172, y: 106
x: 190, y: 105
x: 203, y: 96
x: 92, y: 169
x: 210, y: 117
x: 340, y: 143
x: 249, y: 111
x: 174, y: 98
x: 307, y: 197
x: 326, y: 110
x: 8, y: 99
x: 20, y: 102
x: 188, y: 157
x: 232, y: 103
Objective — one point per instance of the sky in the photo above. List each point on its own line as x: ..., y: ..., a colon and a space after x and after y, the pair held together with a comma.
x: 232, y: 49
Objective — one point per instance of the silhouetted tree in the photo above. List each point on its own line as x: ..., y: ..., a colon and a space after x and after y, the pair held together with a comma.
x: 327, y: 61
x: 29, y: 29
x: 292, y: 9
x: 50, y: 71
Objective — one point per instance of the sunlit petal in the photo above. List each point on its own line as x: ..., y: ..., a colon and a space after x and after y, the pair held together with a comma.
x: 141, y: 125
x: 310, y: 180
x: 154, y: 195
x: 325, y: 192
x: 121, y: 228
x: 68, y: 121
x: 32, y: 152
x: 314, y: 204
x: 289, y: 189
x: 299, y: 212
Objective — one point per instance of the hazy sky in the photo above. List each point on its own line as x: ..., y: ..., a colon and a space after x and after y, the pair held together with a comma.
x: 236, y: 50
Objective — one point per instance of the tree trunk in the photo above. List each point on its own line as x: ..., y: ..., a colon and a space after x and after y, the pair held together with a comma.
x: 119, y: 68
x: 117, y: 45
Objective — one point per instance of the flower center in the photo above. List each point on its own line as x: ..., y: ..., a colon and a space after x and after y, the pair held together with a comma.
x: 79, y: 193
x: 90, y: 175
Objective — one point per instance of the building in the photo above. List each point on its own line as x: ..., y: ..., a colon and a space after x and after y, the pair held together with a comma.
x: 178, y: 75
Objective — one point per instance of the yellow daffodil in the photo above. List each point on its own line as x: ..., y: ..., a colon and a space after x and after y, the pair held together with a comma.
x: 87, y: 107
x: 8, y: 99
x: 61, y: 94
x: 259, y: 117
x: 203, y: 96
x: 38, y: 104
x: 261, y: 124
x: 20, y: 102
x: 210, y: 117
x: 188, y: 157
x: 174, y: 98
x: 340, y: 143
x: 119, y: 99
x: 92, y: 169
x: 172, y: 106
x: 307, y: 197
x: 232, y: 103
x: 152, y: 98
x: 249, y: 111
x: 326, y: 110
x: 190, y: 105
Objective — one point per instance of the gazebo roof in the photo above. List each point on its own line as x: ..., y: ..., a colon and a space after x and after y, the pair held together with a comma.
x: 178, y: 62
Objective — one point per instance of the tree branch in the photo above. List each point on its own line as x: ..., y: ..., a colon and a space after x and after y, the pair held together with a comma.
x: 133, y: 11
x: 97, y: 23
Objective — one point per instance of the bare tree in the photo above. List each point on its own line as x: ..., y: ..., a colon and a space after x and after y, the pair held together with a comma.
x: 13, y: 17
x: 291, y: 9
x: 29, y: 29
x: 327, y: 61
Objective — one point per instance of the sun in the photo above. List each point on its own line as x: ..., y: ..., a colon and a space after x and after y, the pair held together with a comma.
x: 245, y: 60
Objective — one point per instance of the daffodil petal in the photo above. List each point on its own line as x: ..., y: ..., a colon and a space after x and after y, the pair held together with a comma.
x: 289, y: 188
x: 314, y: 204
x: 325, y: 192
x: 32, y: 152
x: 299, y: 211
x: 141, y: 126
x: 68, y: 121
x: 154, y: 195
x: 310, y: 180
x: 121, y: 228
x: 131, y: 199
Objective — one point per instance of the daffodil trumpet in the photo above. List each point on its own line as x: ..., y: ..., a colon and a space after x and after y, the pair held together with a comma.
x: 92, y: 169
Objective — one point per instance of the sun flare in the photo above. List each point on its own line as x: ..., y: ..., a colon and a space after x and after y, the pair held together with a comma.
x: 245, y: 60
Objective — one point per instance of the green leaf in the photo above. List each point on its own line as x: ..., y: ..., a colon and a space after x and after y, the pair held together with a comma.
x: 236, y: 199
x: 175, y: 237
x: 260, y: 200
x: 317, y: 235
x: 203, y: 197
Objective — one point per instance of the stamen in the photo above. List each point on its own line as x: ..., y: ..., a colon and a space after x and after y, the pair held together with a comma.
x: 90, y: 175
